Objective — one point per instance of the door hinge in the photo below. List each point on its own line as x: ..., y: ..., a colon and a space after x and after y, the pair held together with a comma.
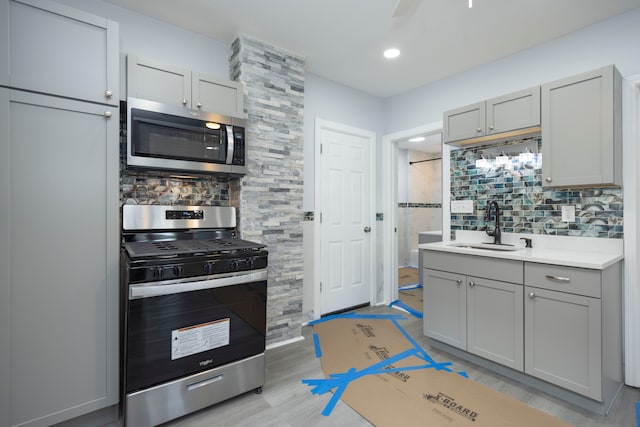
x: 320, y: 286
x: 320, y: 148
x: 320, y: 217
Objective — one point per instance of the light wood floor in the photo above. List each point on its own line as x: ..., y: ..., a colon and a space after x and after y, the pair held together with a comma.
x: 285, y: 401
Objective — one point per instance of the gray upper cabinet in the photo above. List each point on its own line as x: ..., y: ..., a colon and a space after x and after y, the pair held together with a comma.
x: 59, y: 258
x: 464, y: 123
x: 582, y: 130
x: 218, y: 96
x: 51, y: 48
x: 151, y: 80
x: 516, y: 112
x: 148, y: 79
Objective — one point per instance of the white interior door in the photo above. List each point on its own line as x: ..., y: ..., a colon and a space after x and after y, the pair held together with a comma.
x: 347, y: 215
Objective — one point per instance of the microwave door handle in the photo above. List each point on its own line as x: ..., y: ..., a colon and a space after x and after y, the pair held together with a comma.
x: 230, y: 144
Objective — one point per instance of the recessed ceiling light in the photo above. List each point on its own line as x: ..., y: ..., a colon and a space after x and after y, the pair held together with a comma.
x: 417, y: 139
x: 391, y: 53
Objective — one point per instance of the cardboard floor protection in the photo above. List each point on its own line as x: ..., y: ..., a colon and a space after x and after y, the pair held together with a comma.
x: 409, y: 290
x: 371, y: 364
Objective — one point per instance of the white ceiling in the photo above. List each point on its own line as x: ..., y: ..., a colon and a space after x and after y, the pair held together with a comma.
x: 343, y: 40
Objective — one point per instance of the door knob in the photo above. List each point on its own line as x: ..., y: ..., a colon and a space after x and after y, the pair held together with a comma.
x: 532, y: 295
x: 472, y: 283
x: 367, y: 229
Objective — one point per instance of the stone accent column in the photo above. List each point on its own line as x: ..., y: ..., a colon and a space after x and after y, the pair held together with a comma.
x: 269, y: 197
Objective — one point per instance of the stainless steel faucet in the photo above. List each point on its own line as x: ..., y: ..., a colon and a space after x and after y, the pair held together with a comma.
x: 493, y: 205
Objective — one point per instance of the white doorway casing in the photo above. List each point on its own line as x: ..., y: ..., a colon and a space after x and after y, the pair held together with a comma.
x: 390, y: 202
x: 358, y: 245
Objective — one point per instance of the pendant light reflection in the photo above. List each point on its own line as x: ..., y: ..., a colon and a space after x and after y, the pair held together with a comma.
x: 502, y: 159
x: 212, y: 125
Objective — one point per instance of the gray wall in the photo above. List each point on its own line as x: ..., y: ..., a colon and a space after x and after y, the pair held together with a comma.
x: 332, y: 101
x: 614, y: 41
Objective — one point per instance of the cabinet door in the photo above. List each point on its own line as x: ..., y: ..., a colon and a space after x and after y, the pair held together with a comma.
x: 464, y: 123
x: 581, y: 130
x: 151, y: 80
x: 59, y: 230
x: 217, y: 96
x: 495, y: 321
x: 514, y: 111
x: 51, y: 48
x: 563, y: 340
x: 445, y: 313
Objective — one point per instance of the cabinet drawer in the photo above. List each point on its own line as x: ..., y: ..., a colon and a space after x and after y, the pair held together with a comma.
x: 474, y: 265
x: 572, y: 280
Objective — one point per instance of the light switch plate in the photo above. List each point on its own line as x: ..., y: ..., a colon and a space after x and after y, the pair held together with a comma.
x: 462, y: 206
x: 568, y: 213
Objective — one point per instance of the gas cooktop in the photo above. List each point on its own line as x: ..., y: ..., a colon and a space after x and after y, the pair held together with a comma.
x: 189, y: 247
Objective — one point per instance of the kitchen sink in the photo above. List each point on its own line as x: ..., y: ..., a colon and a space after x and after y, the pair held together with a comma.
x: 487, y: 246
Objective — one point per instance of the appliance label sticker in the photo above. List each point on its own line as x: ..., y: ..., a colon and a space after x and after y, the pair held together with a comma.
x: 199, y: 338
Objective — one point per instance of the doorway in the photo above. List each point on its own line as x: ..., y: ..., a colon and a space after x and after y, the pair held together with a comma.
x: 392, y: 145
x: 419, y: 209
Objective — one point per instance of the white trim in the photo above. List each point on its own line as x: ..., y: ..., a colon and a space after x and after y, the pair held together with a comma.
x: 321, y: 124
x: 390, y: 202
x: 631, y: 158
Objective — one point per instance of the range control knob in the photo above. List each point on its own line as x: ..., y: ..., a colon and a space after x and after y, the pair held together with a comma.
x: 251, y: 262
x: 234, y: 264
x: 178, y: 270
x: 157, y: 273
x: 208, y: 267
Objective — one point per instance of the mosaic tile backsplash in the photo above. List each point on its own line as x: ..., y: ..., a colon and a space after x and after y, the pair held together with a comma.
x: 147, y: 189
x: 527, y: 207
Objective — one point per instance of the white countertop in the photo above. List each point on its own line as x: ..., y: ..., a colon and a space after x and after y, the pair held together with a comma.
x: 582, y: 252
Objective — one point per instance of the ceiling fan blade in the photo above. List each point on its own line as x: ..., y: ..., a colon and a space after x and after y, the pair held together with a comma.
x: 404, y: 7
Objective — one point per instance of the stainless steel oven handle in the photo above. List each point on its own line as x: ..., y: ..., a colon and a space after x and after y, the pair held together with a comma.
x: 146, y: 290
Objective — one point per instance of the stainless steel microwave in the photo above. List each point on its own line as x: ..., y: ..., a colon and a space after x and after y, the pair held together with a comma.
x: 179, y: 141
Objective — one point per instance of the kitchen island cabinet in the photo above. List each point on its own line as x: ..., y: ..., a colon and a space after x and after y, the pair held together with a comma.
x: 51, y: 48
x: 582, y: 130
x: 177, y: 86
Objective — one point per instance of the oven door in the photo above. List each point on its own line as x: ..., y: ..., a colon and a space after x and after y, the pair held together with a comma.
x: 175, y: 329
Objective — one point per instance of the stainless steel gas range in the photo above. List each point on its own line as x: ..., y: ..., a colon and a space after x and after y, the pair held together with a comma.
x: 194, y: 311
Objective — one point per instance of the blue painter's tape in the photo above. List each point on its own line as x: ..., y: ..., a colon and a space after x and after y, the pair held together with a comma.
x: 637, y: 414
x: 410, y: 286
x: 316, y: 343
x: 357, y: 316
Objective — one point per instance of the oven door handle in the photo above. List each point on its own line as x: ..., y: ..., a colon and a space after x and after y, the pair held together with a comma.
x: 146, y: 290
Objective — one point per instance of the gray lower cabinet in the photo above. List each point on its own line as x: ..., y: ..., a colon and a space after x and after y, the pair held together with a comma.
x: 477, y: 314
x: 563, y: 327
x: 573, y: 328
x: 177, y: 86
x: 51, y: 48
x: 582, y: 129
x: 59, y: 265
